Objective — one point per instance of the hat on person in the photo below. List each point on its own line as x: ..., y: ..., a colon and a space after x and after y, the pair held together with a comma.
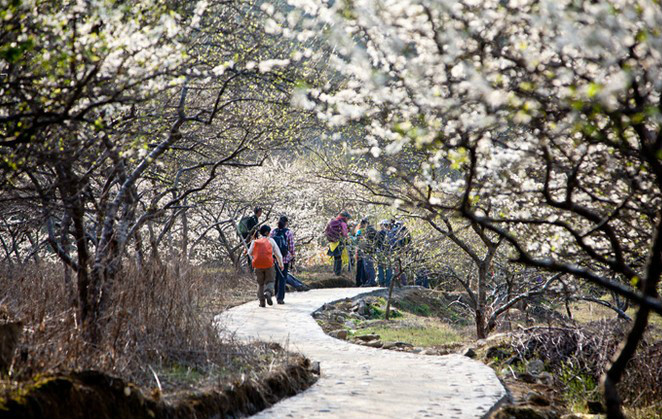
x: 345, y: 214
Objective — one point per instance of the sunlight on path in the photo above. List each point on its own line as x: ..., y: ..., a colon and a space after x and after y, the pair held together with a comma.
x: 362, y: 382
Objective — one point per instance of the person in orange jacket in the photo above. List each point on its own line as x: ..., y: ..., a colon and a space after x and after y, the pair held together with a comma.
x: 262, y: 252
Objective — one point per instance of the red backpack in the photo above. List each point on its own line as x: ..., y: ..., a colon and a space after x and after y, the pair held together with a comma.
x: 262, y: 254
x: 333, y: 231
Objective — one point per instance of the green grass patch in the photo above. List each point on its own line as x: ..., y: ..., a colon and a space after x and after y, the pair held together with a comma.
x: 578, y: 387
x: 379, y: 312
x: 425, y: 335
x: 431, y: 304
x: 422, y: 309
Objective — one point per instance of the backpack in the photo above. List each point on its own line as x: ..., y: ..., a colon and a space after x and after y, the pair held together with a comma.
x: 243, y: 226
x: 333, y: 231
x: 262, y: 254
x: 281, y: 240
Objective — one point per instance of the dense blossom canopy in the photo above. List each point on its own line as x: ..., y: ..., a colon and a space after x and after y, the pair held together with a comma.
x: 551, y: 109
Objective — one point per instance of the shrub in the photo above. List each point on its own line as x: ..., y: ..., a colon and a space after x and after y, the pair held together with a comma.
x: 588, y: 349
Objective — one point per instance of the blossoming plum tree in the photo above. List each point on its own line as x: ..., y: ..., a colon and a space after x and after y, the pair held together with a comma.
x: 551, y: 111
x: 113, y: 117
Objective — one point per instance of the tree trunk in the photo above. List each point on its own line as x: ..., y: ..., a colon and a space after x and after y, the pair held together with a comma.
x: 629, y: 347
x: 481, y: 300
x: 74, y: 208
x: 86, y: 296
x: 7, y: 252
x: 154, y: 255
x: 506, y: 316
x: 185, y: 232
x: 104, y: 277
x: 140, y: 254
x: 234, y: 255
x: 35, y: 245
x: 64, y: 240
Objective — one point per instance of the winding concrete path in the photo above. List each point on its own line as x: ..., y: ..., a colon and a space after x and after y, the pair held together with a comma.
x: 361, y: 382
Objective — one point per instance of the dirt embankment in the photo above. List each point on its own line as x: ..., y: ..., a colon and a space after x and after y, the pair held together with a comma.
x: 95, y: 394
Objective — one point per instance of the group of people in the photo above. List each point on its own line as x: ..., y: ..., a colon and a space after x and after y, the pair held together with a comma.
x: 362, y: 245
x: 272, y: 253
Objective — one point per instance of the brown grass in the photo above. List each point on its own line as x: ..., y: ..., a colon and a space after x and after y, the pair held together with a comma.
x: 587, y: 350
x: 160, y: 325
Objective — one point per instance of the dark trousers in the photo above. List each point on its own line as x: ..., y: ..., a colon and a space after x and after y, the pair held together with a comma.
x: 385, y: 275
x: 365, y: 272
x: 337, y: 259
x: 360, y: 273
x: 337, y: 265
x: 281, y: 281
x: 369, y: 272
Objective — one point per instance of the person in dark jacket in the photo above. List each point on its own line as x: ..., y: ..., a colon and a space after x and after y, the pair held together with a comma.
x: 400, y: 242
x: 383, y: 253
x: 365, y: 267
x: 285, y: 234
x: 250, y: 224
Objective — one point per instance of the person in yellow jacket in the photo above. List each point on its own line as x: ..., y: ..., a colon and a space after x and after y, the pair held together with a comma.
x: 337, y: 233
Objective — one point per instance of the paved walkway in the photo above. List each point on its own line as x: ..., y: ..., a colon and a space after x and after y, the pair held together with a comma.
x: 361, y: 382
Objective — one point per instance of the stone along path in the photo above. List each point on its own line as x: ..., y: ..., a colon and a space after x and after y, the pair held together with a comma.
x: 362, y: 382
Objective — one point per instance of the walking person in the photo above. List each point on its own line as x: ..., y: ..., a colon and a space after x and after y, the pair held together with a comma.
x: 367, y: 236
x: 357, y: 255
x: 383, y: 252
x: 337, y: 234
x: 400, y: 240
x: 351, y: 247
x: 284, y: 238
x: 262, y: 252
x: 248, y: 224
x: 247, y: 227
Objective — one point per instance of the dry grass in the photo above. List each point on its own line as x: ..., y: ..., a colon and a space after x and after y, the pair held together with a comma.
x: 585, y: 312
x: 161, y: 325
x: 583, y: 353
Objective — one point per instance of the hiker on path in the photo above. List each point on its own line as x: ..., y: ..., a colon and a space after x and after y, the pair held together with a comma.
x: 284, y: 238
x: 248, y: 224
x: 337, y: 234
x: 351, y: 246
x: 263, y: 251
x: 400, y: 240
x: 383, y: 249
x: 365, y: 267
